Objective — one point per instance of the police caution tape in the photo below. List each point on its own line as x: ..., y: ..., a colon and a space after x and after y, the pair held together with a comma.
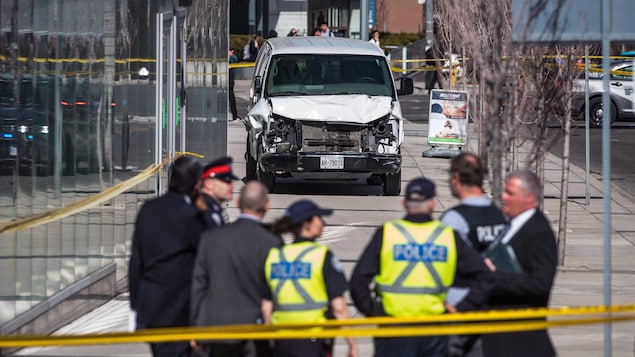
x: 57, y: 214
x: 449, y: 324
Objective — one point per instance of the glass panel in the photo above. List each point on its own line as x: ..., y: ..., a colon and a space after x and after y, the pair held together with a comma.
x: 77, y: 116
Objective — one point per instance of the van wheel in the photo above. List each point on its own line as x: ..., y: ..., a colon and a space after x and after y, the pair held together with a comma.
x: 251, y: 165
x: 267, y: 178
x: 392, y: 184
x: 596, y: 113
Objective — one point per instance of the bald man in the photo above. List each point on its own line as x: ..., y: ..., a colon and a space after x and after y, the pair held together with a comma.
x: 229, y: 271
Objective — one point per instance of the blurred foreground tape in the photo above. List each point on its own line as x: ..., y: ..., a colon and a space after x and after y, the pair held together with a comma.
x: 449, y: 324
x: 46, y: 217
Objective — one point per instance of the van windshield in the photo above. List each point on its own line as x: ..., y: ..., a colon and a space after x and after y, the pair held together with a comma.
x: 311, y: 74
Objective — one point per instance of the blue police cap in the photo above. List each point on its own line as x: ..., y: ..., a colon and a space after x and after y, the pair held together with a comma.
x: 301, y: 210
x: 420, y: 189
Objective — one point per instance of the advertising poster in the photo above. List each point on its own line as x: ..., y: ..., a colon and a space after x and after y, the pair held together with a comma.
x: 448, y: 117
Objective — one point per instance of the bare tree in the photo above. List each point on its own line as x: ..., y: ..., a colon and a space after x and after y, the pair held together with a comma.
x: 522, y: 88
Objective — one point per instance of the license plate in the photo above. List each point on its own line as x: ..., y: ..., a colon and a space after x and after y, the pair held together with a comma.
x: 331, y: 162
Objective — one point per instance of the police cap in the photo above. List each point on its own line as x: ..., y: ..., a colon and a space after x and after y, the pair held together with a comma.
x: 301, y: 210
x: 219, y: 169
x: 420, y: 189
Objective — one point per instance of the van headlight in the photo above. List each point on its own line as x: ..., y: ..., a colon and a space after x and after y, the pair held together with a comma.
x: 282, y: 134
x: 382, y: 129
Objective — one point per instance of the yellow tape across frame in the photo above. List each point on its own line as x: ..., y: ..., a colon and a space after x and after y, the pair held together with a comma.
x: 513, y: 321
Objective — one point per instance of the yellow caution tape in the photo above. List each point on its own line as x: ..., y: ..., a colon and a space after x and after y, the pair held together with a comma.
x: 427, y: 326
x: 242, y: 65
x: 54, y: 215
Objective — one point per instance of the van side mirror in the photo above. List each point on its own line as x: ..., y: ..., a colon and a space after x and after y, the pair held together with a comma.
x: 258, y: 84
x: 406, y: 86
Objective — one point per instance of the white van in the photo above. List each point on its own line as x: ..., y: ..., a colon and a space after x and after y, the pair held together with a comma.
x: 324, y: 108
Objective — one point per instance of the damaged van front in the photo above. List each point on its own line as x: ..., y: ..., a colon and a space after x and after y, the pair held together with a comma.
x: 324, y: 108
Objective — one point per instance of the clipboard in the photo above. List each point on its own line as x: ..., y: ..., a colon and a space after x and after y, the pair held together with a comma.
x: 503, y: 257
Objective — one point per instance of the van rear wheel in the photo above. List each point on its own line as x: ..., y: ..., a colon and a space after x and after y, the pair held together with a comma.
x: 392, y: 184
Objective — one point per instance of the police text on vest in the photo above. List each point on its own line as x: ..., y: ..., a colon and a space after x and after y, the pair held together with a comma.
x: 420, y: 253
x: 294, y: 270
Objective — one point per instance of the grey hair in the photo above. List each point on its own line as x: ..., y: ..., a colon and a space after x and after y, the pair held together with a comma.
x: 530, y: 182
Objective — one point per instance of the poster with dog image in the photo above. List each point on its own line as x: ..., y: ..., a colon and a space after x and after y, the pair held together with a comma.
x: 448, y: 115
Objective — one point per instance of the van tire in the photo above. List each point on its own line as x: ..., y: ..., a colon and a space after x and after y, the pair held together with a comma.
x: 251, y: 164
x: 392, y: 184
x: 267, y: 178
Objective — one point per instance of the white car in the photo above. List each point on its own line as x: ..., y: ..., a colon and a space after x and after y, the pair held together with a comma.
x: 324, y: 108
x: 621, y: 94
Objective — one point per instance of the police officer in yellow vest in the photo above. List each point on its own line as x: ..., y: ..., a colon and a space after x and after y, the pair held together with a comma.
x: 412, y: 262
x: 306, y: 281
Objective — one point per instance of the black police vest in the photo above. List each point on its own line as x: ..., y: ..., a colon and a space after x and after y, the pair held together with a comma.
x: 486, y: 223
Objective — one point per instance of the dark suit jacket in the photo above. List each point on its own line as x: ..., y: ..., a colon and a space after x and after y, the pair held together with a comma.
x: 229, y: 282
x: 166, y: 235
x: 535, y: 248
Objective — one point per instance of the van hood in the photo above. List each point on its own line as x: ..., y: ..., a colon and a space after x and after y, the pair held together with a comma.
x: 355, y: 108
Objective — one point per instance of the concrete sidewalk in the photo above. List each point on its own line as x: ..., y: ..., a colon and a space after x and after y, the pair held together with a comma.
x: 579, y: 281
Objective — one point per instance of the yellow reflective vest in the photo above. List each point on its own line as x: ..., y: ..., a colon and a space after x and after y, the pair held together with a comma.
x: 417, y: 265
x: 294, y: 275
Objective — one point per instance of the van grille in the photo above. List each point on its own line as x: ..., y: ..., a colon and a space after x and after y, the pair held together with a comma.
x: 332, y: 137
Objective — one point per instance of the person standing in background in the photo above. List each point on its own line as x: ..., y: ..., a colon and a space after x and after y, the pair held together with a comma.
x: 253, y: 47
x: 232, y: 97
x: 478, y: 222
x: 374, y: 38
x: 326, y: 31
x: 533, y: 242
x: 166, y: 235
x: 230, y: 272
x: 292, y: 32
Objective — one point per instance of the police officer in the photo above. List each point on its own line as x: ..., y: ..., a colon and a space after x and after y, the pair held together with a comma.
x: 478, y: 222
x: 306, y: 281
x: 413, y: 261
x: 216, y: 189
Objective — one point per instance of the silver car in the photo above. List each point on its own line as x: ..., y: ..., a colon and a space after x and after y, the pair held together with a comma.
x: 621, y: 88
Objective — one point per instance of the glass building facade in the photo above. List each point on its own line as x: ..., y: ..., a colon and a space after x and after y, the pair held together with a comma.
x: 85, y: 105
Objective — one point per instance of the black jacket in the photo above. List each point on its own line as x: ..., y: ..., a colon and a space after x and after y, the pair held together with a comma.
x: 213, y: 215
x: 166, y: 235
x: 228, y: 282
x: 535, y: 248
x: 469, y: 264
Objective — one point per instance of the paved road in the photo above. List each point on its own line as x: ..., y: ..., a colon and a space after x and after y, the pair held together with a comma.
x: 359, y: 208
x: 622, y: 158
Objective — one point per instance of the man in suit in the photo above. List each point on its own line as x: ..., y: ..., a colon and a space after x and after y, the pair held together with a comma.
x: 534, y: 244
x: 164, y: 243
x: 230, y: 271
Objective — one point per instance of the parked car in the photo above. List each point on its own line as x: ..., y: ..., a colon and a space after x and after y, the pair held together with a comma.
x: 324, y: 108
x: 621, y: 94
